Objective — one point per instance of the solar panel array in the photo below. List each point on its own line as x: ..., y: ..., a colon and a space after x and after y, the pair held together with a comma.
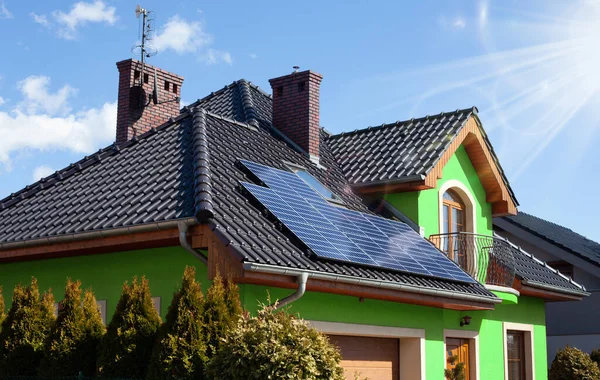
x: 340, y: 234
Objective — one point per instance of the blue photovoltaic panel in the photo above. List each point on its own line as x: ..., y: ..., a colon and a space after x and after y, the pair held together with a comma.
x: 340, y: 234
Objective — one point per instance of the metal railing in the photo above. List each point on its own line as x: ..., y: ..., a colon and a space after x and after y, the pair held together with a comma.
x: 489, y: 259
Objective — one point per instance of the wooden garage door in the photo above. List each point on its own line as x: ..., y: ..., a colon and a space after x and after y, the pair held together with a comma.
x: 374, y: 358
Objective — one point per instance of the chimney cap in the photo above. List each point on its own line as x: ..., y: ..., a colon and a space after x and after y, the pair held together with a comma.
x: 296, y: 68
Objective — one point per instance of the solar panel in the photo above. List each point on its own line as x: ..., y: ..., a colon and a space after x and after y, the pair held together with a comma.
x: 340, y: 234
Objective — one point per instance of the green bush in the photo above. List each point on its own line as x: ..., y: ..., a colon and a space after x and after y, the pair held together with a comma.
x: 24, y: 330
x: 127, y: 345
x: 595, y: 356
x: 2, y: 308
x: 71, y: 344
x: 275, y: 345
x: 573, y: 364
x: 222, y: 310
x: 180, y: 350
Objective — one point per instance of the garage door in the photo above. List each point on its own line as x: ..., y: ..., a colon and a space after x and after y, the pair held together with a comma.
x: 373, y: 358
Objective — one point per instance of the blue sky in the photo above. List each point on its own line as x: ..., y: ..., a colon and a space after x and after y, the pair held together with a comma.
x: 531, y: 68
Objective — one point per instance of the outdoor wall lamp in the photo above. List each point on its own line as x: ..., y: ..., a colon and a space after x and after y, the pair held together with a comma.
x: 465, y: 321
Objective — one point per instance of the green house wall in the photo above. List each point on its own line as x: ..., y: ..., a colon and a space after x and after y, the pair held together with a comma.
x: 163, y: 267
x: 422, y: 207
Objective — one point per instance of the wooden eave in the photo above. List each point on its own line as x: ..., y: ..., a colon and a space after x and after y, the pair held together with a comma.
x: 471, y: 137
x: 228, y: 262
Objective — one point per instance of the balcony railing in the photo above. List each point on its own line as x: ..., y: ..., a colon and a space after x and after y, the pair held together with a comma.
x: 489, y: 259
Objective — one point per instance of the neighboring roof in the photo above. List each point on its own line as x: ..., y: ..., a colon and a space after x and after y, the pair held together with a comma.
x: 537, y: 273
x: 404, y: 151
x: 185, y: 168
x: 558, y: 235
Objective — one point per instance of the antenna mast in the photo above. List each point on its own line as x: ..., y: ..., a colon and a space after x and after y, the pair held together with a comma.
x: 147, y: 29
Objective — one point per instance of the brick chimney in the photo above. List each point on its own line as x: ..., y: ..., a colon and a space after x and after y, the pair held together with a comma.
x: 136, y: 112
x: 296, y: 108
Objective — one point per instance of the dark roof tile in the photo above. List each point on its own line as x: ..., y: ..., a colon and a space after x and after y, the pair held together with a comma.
x: 169, y: 174
x: 558, y: 235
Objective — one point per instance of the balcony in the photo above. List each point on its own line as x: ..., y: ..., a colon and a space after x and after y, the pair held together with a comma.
x: 489, y: 259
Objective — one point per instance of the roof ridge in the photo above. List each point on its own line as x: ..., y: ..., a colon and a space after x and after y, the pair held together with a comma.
x: 247, y: 103
x: 203, y: 203
x: 83, y: 164
x: 238, y: 82
x: 398, y: 122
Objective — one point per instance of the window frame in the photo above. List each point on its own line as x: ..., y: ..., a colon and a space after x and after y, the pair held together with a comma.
x: 528, y: 343
x: 473, y: 338
x: 295, y: 168
x: 470, y: 217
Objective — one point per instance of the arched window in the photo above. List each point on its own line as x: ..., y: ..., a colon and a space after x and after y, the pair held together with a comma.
x: 453, y: 221
x: 453, y: 210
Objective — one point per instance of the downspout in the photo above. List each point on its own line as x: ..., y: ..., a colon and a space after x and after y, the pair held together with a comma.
x: 183, y: 229
x: 302, y: 279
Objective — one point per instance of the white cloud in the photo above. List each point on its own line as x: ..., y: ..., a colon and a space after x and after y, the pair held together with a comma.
x: 459, y: 23
x: 42, y: 171
x: 184, y: 36
x: 35, y: 125
x: 181, y: 36
x: 37, y: 96
x: 81, y: 13
x: 40, y: 19
x: 4, y: 12
x: 253, y: 55
x: 2, y: 101
x: 213, y: 56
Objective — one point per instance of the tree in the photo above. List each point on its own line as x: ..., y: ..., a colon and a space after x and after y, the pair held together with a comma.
x: 25, y: 329
x: 595, y: 356
x: 2, y: 307
x: 571, y: 363
x: 180, y: 350
x: 126, y: 348
x: 275, y: 345
x: 71, y: 344
x: 222, y: 310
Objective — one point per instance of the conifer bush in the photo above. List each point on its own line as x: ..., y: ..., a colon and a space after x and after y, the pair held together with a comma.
x: 180, y: 349
x: 126, y: 347
x: 275, y: 345
x: 571, y: 363
x: 595, y: 356
x: 222, y: 310
x: 71, y: 344
x: 2, y: 308
x: 24, y: 330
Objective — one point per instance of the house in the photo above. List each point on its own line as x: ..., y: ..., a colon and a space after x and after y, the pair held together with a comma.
x: 574, y: 255
x: 248, y: 184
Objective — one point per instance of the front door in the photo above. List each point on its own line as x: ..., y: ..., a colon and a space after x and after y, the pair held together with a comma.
x: 458, y: 347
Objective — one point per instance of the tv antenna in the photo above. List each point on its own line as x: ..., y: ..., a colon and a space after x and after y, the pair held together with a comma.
x: 146, y: 30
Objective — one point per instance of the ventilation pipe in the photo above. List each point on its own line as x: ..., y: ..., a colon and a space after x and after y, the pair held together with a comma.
x: 183, y: 229
x: 302, y: 279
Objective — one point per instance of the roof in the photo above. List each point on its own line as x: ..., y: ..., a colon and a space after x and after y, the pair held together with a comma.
x: 558, y: 235
x: 403, y: 151
x: 187, y: 168
x: 537, y: 273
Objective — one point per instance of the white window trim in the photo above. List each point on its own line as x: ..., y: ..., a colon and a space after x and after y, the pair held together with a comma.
x: 473, y: 336
x: 529, y: 348
x: 466, y: 197
x: 411, y: 341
